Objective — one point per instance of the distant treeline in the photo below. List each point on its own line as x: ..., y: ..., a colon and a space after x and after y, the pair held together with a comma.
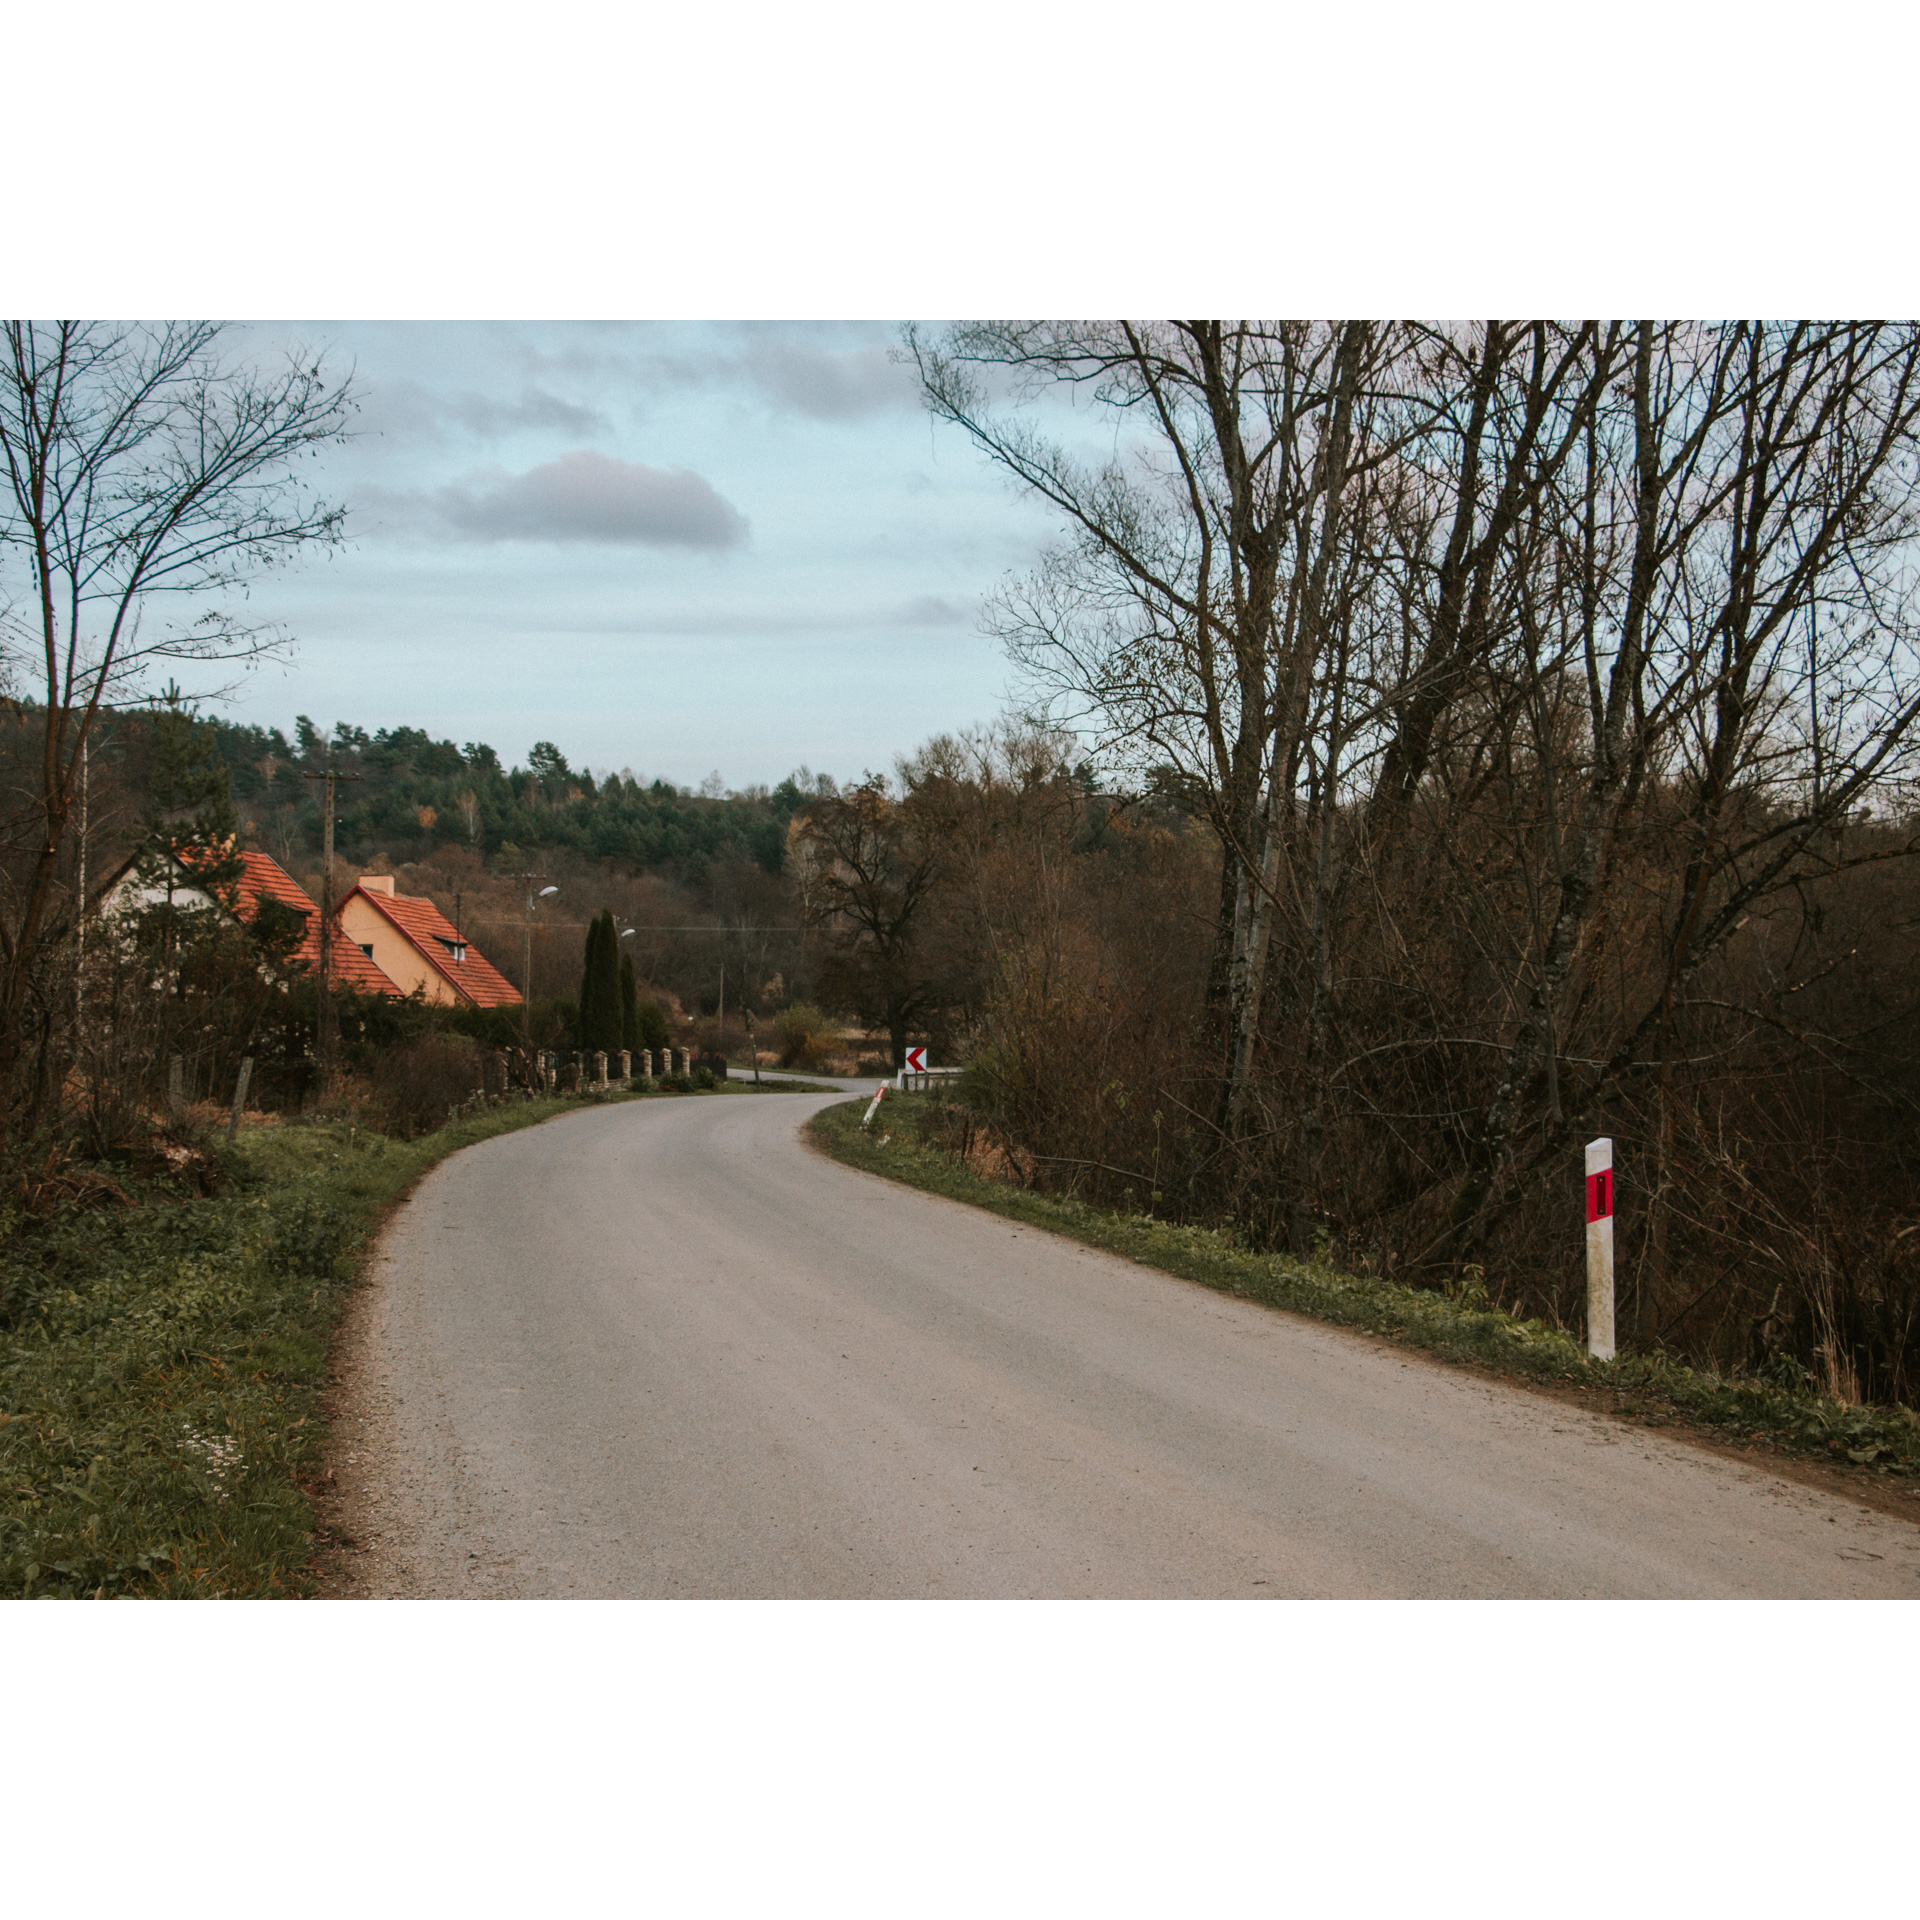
x: 413, y: 794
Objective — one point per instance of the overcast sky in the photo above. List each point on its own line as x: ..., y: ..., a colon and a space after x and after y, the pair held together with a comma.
x: 676, y: 547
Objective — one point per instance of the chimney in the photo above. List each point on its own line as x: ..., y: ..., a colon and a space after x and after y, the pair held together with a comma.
x: 377, y: 882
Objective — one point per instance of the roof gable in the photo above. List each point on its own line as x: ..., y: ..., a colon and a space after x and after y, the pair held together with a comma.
x: 431, y: 934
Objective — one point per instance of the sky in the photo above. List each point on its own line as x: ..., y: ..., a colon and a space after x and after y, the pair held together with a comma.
x: 676, y: 547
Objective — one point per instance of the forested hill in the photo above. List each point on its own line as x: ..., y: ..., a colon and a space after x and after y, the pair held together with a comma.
x: 415, y: 794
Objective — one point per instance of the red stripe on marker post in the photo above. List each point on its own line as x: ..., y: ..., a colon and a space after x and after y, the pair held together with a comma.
x: 1600, y: 1195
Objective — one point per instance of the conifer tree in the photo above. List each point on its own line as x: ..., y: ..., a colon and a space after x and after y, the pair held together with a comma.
x: 608, y: 1004
x: 629, y: 1006
x: 584, y: 1026
x: 189, y: 816
x: 584, y: 998
x: 600, y: 1012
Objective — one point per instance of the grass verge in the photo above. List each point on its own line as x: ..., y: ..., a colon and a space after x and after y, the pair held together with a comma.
x: 161, y: 1364
x: 1655, y: 1388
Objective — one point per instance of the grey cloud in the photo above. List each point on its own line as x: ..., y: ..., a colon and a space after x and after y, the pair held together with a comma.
x: 823, y: 371
x: 534, y: 412
x: 835, y: 380
x: 590, y: 497
x: 827, y: 385
x: 410, y: 410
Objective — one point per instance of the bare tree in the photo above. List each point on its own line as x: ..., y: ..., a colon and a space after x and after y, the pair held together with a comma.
x: 873, y: 871
x: 144, y: 464
x: 1431, y: 582
x: 1749, y: 652
x: 1186, y: 614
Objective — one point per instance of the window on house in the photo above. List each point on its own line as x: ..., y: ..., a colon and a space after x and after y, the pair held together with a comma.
x: 364, y: 948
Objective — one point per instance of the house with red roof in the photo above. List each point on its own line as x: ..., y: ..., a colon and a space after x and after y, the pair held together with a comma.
x: 262, y: 878
x: 419, y: 949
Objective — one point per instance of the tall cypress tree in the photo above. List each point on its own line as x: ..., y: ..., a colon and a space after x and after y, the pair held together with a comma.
x: 612, y: 1014
x: 585, y: 997
x: 629, y: 1005
x: 601, y: 1022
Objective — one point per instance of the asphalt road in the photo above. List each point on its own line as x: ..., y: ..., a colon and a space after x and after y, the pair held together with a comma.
x: 665, y: 1349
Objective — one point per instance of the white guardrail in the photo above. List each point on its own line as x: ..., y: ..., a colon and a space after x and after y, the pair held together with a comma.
x: 905, y: 1082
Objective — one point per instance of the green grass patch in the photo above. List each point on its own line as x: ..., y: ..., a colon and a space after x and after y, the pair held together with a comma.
x: 161, y: 1365
x: 1461, y: 1326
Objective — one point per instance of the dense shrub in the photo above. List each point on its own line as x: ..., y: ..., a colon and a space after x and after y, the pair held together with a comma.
x: 417, y: 1088
x: 652, y: 1024
x: 805, y: 1036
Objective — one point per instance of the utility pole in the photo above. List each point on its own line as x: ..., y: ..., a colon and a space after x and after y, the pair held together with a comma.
x: 324, y: 1034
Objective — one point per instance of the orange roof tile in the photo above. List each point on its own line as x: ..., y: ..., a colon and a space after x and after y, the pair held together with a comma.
x: 431, y: 935
x: 265, y: 878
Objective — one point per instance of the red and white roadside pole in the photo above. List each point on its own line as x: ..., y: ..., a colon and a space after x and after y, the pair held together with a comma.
x: 1600, y: 1249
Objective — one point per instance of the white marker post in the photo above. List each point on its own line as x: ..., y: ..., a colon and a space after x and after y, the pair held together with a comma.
x: 1600, y: 1249
x: 875, y: 1107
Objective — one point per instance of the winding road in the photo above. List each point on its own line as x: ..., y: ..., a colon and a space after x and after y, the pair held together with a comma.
x: 666, y: 1349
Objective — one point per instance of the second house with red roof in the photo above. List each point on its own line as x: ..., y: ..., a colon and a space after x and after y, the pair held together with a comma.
x: 418, y: 948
